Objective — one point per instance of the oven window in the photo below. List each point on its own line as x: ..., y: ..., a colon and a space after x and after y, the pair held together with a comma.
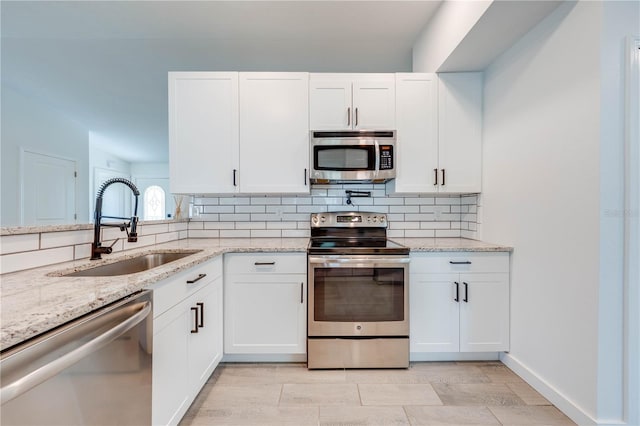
x: 344, y: 157
x: 358, y: 294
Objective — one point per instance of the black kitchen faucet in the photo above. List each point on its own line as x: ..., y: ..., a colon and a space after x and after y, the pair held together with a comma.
x: 132, y: 236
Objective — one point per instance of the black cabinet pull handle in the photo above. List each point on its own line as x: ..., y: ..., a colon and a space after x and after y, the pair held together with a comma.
x: 442, y: 177
x: 435, y: 175
x: 465, y: 262
x: 305, y: 177
x: 457, y: 299
x: 234, y: 177
x: 466, y: 293
x: 195, y: 320
x: 301, y: 292
x: 200, y: 276
x: 201, y: 306
x: 264, y: 263
x: 356, y: 123
x: 348, y: 116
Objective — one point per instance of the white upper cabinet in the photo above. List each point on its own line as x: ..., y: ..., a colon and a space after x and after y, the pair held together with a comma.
x: 352, y: 101
x: 460, y: 132
x: 274, y: 132
x: 203, y: 132
x: 417, y: 132
x: 439, y: 133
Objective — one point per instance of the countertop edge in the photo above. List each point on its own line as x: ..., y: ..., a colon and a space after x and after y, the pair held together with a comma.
x: 103, y: 293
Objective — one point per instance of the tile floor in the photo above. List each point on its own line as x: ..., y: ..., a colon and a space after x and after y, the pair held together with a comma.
x: 428, y: 393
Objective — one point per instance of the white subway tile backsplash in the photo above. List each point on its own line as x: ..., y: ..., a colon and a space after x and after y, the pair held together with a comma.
x: 251, y: 225
x: 419, y: 201
x: 250, y: 209
x: 295, y: 233
x: 245, y: 233
x: 206, y: 233
x: 447, y: 200
x: 81, y: 251
x: 384, y: 201
x: 219, y: 209
x: 235, y: 201
x: 419, y: 233
x: 241, y: 217
x: 18, y: 243
x: 196, y: 225
x: 266, y: 200
x: 166, y: 237
x: 395, y: 233
x: 66, y: 238
x: 281, y: 225
x: 33, y: 259
x: 265, y: 233
x: 312, y: 209
x: 296, y: 200
x: 404, y: 225
x: 435, y: 225
x: 404, y: 209
x: 444, y: 233
x: 219, y: 225
x: 281, y: 209
x: 419, y: 217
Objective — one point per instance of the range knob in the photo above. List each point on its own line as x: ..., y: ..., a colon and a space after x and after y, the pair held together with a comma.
x: 369, y: 219
x: 375, y: 219
x: 323, y: 219
x: 382, y: 219
x: 314, y: 219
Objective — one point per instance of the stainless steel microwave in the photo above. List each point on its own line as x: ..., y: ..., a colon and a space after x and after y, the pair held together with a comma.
x: 352, y: 156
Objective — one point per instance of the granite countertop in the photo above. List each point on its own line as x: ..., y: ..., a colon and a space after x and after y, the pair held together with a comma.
x: 37, y: 300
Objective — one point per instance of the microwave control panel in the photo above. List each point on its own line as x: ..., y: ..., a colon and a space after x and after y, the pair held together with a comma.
x: 386, y: 157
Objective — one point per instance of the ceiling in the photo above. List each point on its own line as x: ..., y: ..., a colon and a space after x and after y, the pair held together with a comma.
x: 105, y: 63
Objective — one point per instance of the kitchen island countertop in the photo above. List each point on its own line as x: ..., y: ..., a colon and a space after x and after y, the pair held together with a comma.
x: 37, y: 300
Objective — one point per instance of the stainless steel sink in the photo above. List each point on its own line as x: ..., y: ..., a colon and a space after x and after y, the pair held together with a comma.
x: 132, y: 265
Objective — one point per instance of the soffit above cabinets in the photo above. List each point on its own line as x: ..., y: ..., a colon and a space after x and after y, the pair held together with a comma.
x: 504, y: 23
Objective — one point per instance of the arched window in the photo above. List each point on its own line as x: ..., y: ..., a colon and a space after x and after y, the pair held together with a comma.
x: 154, y: 203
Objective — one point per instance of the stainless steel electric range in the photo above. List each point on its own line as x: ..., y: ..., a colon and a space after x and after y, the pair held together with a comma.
x: 358, y: 313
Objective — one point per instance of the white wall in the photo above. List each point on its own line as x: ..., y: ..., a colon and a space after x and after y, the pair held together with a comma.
x: 551, y: 169
x: 30, y: 124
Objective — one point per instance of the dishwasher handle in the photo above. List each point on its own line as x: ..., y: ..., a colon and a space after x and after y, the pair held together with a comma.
x: 42, y: 374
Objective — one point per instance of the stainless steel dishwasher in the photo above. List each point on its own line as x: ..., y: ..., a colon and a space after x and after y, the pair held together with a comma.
x: 95, y: 370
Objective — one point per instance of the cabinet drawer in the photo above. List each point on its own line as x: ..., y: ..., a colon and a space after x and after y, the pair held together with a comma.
x: 454, y: 262
x: 171, y: 291
x: 266, y: 263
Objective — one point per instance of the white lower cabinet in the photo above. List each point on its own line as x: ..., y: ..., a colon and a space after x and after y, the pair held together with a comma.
x: 265, y: 299
x: 187, y: 338
x: 459, y: 302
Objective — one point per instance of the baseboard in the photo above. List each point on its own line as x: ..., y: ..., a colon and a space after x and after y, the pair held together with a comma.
x: 264, y: 358
x: 562, y: 402
x: 454, y: 356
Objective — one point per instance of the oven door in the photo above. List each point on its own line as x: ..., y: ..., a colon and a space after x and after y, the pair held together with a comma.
x: 358, y: 296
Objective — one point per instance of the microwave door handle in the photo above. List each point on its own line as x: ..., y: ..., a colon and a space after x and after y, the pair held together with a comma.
x: 377, y: 154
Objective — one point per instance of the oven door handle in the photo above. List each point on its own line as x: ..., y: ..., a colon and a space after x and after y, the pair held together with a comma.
x: 346, y: 261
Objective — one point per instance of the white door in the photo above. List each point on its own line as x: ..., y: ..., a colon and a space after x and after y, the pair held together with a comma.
x: 330, y: 103
x: 374, y: 104
x: 484, y: 312
x: 48, y: 190
x: 434, y: 313
x: 148, y: 206
x: 460, y: 132
x: 265, y: 314
x: 274, y: 132
x: 116, y: 199
x: 203, y: 132
x: 417, y: 136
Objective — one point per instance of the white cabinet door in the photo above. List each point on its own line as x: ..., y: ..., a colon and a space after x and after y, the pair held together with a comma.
x: 460, y: 132
x: 484, y: 312
x: 417, y: 132
x: 434, y: 313
x: 205, y: 345
x: 329, y: 103
x: 265, y: 314
x: 374, y: 103
x: 170, y: 386
x: 274, y: 132
x: 352, y: 101
x: 203, y: 132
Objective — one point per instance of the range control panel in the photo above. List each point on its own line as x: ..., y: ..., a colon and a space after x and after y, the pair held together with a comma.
x: 349, y: 219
